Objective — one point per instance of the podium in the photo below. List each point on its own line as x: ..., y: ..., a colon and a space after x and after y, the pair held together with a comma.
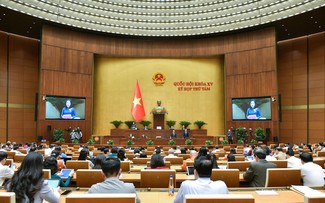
x: 158, y: 120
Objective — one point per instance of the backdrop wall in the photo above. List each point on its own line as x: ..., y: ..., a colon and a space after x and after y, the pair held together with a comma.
x: 193, y: 90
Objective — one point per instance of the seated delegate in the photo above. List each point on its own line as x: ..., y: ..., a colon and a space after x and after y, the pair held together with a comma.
x: 111, y: 169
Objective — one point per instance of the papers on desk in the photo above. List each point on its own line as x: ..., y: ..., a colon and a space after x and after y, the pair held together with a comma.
x: 305, y: 190
x: 266, y: 192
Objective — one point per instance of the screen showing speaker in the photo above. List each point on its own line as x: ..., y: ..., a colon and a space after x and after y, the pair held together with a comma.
x: 62, y: 107
x: 252, y: 108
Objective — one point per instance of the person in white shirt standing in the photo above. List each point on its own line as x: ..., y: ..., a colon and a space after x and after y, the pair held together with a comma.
x: 5, y: 171
x: 292, y: 161
x: 312, y: 174
x: 203, y: 184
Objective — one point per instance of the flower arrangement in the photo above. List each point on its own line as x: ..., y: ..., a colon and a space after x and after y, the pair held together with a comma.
x: 208, y: 142
x: 188, y: 142
x: 149, y: 142
x: 62, y: 140
x: 171, y: 142
x: 130, y: 142
x: 200, y: 124
x: 110, y: 142
x: 185, y: 123
x: 91, y: 141
x: 145, y: 123
x: 116, y: 123
x: 75, y: 141
x: 129, y: 123
x: 170, y: 123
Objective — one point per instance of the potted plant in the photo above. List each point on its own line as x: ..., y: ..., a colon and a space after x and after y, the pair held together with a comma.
x: 130, y: 142
x: 171, y: 142
x: 110, y: 142
x: 62, y: 140
x: 116, y: 123
x: 57, y: 134
x: 91, y: 141
x: 129, y: 123
x: 200, y: 124
x: 75, y: 141
x: 259, y: 134
x: 240, y: 141
x: 171, y: 123
x: 145, y: 123
x: 149, y: 142
x: 185, y: 123
x: 208, y: 142
x: 240, y: 133
x: 188, y: 142
x: 225, y: 142
x: 253, y: 141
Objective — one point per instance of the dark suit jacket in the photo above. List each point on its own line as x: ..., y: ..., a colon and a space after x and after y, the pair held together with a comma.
x: 256, y: 173
x: 186, y: 134
x: 173, y: 135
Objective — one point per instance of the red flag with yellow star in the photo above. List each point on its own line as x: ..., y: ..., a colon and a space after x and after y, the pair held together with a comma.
x: 137, y: 107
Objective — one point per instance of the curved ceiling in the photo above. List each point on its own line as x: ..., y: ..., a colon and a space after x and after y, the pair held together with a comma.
x: 162, y: 18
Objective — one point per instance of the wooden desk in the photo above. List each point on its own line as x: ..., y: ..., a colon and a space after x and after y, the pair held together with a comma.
x: 137, y: 168
x: 161, y: 196
x: 135, y: 178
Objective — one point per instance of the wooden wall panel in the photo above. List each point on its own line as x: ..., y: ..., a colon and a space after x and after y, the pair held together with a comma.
x: 250, y: 56
x: 3, y: 86
x: 67, y: 73
x: 22, y: 88
x: 301, y: 79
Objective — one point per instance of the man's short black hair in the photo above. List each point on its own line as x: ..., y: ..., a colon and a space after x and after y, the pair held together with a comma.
x: 290, y: 152
x: 111, y: 166
x: 306, y: 157
x: 260, y: 153
x: 203, y: 166
x: 3, y: 155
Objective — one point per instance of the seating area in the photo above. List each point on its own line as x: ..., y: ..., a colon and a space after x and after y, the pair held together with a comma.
x: 134, y: 171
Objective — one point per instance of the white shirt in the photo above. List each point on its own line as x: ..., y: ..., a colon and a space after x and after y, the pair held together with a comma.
x: 312, y: 174
x: 294, y: 162
x: 47, y: 152
x: 200, y: 186
x: 270, y: 158
x: 5, y: 172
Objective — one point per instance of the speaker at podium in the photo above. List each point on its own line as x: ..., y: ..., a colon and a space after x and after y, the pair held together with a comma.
x: 159, y: 116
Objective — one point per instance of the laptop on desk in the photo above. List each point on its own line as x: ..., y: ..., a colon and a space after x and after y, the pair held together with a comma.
x: 190, y: 170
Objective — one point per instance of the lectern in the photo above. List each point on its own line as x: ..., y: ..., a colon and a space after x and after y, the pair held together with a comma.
x: 158, y: 120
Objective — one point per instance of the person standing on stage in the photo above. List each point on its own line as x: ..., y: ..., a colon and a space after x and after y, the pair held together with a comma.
x: 229, y: 136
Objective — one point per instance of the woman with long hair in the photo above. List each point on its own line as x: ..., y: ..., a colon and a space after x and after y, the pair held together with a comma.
x: 28, y: 183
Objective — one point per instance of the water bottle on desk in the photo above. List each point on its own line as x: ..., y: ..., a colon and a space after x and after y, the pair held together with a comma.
x: 171, y: 186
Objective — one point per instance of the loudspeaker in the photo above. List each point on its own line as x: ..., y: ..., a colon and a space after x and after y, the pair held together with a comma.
x: 39, y: 138
x: 49, y: 127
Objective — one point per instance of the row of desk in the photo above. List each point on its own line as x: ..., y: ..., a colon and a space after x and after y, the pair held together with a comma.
x: 284, y: 195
